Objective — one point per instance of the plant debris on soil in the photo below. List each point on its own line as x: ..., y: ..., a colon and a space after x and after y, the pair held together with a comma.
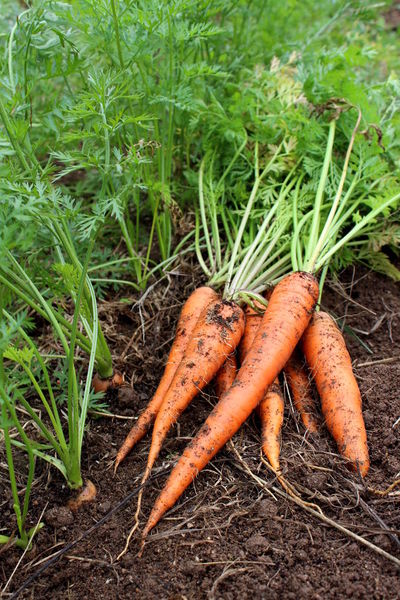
x: 228, y: 537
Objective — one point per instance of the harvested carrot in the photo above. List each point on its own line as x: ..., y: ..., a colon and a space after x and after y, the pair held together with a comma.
x: 289, y: 311
x: 270, y: 411
x: 189, y: 316
x: 226, y: 375
x: 102, y: 385
x: 299, y: 383
x: 216, y: 335
x: 271, y: 407
x: 330, y: 363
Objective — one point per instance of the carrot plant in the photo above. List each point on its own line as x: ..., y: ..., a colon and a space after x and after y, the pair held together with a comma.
x: 64, y: 440
x: 11, y: 427
x: 43, y: 214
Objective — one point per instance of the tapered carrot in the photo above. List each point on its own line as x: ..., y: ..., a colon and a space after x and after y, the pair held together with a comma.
x: 327, y: 356
x: 271, y: 407
x: 216, y: 335
x: 189, y: 316
x: 299, y: 383
x: 289, y: 310
x: 270, y: 411
x: 226, y: 375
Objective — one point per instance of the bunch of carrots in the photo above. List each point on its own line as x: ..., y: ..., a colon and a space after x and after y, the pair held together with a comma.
x: 268, y: 315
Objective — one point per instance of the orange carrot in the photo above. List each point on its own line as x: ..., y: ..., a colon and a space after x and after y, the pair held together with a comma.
x: 299, y: 383
x: 270, y: 411
x: 87, y: 494
x: 330, y: 363
x: 102, y: 385
x: 287, y: 316
x: 189, y: 316
x: 271, y: 407
x: 216, y: 335
x: 226, y: 375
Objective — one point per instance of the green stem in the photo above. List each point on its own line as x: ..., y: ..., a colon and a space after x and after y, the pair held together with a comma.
x: 131, y: 251
x: 73, y: 392
x: 83, y: 342
x: 326, y: 230
x: 320, y: 193
x: 116, y: 27
x: 249, y: 206
x: 12, y: 137
x: 204, y: 222
x: 57, y: 424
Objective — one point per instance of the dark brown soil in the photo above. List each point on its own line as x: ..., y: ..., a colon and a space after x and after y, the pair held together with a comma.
x: 229, y: 537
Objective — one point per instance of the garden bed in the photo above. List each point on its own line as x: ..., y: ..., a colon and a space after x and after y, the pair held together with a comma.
x: 230, y: 536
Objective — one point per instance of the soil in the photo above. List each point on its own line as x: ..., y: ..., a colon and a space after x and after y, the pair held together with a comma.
x: 230, y: 536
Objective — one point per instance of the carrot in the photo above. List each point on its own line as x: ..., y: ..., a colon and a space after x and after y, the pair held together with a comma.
x: 299, y: 383
x: 102, y: 385
x: 189, y: 316
x: 287, y: 316
x: 226, y: 375
x: 330, y: 363
x: 271, y: 407
x: 270, y: 411
x: 87, y: 494
x: 216, y: 335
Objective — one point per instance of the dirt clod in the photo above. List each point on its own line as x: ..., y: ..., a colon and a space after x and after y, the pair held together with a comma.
x: 59, y: 516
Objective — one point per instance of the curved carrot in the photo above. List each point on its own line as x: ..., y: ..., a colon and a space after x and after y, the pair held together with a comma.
x: 271, y: 410
x: 226, y: 375
x: 299, y: 383
x: 188, y: 318
x: 217, y: 334
x: 289, y: 311
x: 330, y: 363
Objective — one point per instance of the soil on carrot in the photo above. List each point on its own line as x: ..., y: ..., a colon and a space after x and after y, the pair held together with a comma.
x: 231, y: 536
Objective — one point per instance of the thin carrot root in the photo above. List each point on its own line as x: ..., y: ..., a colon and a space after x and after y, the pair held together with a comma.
x: 189, y: 316
x: 270, y: 411
x: 289, y: 311
x: 134, y: 528
x: 289, y: 488
x: 385, y: 492
x: 102, y: 385
x: 330, y: 363
x: 299, y: 383
x: 87, y: 494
